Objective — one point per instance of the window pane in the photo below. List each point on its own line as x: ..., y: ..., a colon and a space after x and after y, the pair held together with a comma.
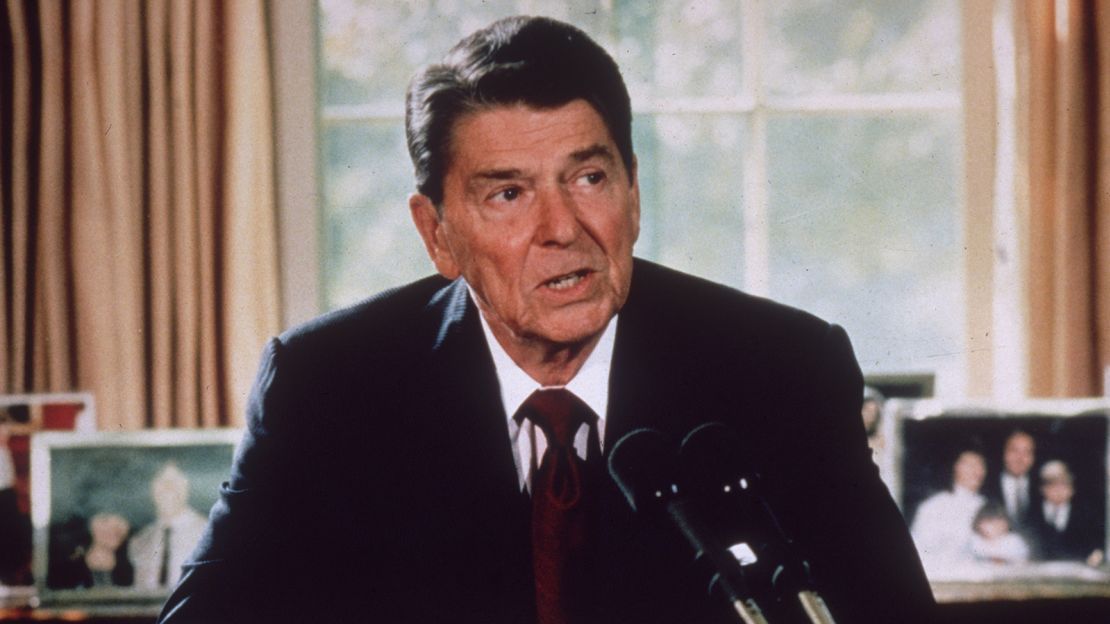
x: 690, y: 185
x: 862, y: 46
x: 864, y: 231
x: 369, y: 240
x: 679, y: 48
x: 863, y: 212
x: 371, y: 48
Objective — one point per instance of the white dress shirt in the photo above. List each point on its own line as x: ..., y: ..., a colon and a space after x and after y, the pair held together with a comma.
x: 591, y: 384
x: 1015, y: 492
x: 942, y: 528
x: 145, y: 549
x: 1056, y: 516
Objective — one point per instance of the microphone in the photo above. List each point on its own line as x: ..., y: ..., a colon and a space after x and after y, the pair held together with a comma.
x: 713, y: 469
x: 644, y: 466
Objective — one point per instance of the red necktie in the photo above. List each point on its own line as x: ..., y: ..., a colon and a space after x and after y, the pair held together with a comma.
x: 563, y: 505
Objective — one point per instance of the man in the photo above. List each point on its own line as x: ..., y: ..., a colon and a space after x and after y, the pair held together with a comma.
x: 1065, y: 530
x: 159, y: 549
x: 402, y: 459
x: 1013, y: 488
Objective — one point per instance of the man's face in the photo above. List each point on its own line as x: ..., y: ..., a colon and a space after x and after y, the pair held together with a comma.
x: 539, y: 216
x: 1057, y: 492
x: 969, y: 471
x: 1018, y: 454
x: 170, y: 491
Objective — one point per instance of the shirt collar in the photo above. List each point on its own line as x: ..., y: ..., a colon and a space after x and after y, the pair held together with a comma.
x: 591, y: 383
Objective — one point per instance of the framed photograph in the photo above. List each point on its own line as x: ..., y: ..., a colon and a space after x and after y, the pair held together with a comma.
x: 117, y: 513
x: 1004, y: 500
x: 21, y: 416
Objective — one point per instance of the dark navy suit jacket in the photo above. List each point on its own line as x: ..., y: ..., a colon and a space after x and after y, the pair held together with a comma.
x: 1025, y: 523
x: 1082, y: 535
x: 376, y: 483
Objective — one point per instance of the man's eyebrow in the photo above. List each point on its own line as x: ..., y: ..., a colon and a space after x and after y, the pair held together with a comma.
x: 496, y: 174
x: 582, y: 155
x: 593, y: 151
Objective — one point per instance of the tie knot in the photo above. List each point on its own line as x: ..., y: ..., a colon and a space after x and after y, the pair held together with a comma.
x: 558, y: 413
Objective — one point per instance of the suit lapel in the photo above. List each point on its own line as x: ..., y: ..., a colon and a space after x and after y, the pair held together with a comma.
x: 485, y: 512
x: 646, y: 567
x: 472, y: 417
x: 641, y: 381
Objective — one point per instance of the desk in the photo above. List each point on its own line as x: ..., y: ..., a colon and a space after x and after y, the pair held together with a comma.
x: 21, y: 604
x: 1034, y: 581
x: 1031, y: 594
x: 98, y: 615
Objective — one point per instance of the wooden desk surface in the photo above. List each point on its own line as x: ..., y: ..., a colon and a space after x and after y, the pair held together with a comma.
x: 86, y: 616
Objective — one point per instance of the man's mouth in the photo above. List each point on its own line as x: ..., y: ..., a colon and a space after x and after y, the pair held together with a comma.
x: 569, y: 280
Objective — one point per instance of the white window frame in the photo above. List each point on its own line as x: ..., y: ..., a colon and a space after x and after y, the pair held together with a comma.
x: 293, y: 50
x: 991, y: 282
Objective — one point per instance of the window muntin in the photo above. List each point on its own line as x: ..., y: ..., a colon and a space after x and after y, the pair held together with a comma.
x: 807, y: 153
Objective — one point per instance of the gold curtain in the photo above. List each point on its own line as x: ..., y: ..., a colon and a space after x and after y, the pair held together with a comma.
x: 1065, y: 87
x: 139, y: 230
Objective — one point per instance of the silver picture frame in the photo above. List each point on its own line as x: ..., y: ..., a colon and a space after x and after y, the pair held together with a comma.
x: 21, y: 417
x: 924, y: 439
x: 116, y: 513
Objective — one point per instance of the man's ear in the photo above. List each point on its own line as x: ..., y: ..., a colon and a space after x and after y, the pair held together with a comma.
x: 431, y: 229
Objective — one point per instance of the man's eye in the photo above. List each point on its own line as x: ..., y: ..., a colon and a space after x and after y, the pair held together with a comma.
x: 507, y: 194
x: 593, y: 178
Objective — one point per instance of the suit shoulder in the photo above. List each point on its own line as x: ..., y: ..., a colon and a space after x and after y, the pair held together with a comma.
x: 696, y: 302
x: 389, y: 320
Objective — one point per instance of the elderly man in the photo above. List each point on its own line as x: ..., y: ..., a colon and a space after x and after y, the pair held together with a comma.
x: 436, y: 453
x: 159, y: 549
x: 1013, y: 487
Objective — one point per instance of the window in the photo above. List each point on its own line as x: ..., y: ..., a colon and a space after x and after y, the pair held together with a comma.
x: 807, y: 151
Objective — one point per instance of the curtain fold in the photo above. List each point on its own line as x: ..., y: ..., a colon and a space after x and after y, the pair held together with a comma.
x: 1066, y: 88
x: 137, y: 178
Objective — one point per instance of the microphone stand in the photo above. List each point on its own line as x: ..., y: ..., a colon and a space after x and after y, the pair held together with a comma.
x: 815, y: 607
x: 749, y: 611
x: 730, y: 576
x: 791, y: 575
x: 708, y: 456
x: 643, y: 465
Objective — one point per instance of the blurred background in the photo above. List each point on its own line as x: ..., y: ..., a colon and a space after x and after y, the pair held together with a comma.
x: 180, y: 180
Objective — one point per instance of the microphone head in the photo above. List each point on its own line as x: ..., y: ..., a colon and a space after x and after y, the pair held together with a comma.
x: 643, y: 464
x: 711, y: 461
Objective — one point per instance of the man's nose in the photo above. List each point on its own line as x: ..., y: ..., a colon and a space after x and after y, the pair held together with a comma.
x: 557, y: 218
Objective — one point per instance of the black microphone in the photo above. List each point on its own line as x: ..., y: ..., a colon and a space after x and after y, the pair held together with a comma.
x: 714, y: 470
x: 644, y: 465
